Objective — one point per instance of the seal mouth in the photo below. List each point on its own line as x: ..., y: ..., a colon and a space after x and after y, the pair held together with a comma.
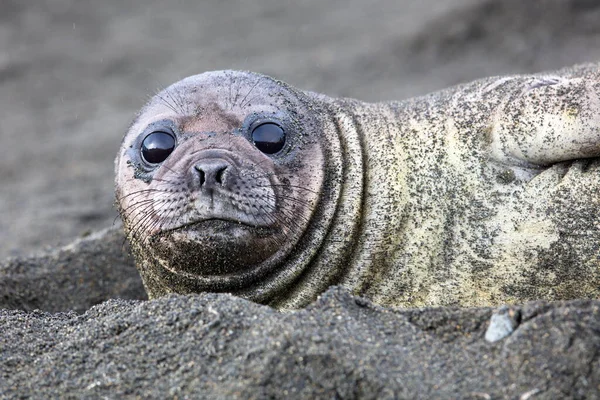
x: 217, y: 225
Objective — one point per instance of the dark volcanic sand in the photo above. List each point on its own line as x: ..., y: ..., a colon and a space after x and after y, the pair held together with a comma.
x: 220, y: 346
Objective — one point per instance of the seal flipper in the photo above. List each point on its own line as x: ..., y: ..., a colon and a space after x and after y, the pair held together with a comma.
x: 545, y: 119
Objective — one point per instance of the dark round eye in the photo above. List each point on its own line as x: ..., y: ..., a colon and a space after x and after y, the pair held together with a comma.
x: 157, y: 146
x: 268, y: 137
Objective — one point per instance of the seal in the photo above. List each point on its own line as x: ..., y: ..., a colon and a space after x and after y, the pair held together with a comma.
x: 481, y: 194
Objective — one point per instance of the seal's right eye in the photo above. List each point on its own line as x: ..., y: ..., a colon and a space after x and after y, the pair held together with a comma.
x: 157, y: 146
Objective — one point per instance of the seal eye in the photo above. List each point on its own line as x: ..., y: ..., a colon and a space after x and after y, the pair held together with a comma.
x: 157, y: 146
x: 268, y: 137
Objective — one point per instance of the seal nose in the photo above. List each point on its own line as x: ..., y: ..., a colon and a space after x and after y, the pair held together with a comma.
x: 211, y: 173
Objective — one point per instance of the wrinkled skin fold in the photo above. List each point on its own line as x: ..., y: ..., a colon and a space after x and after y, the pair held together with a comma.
x: 480, y: 194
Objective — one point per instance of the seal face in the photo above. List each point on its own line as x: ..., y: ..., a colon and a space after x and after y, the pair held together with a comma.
x: 219, y: 178
x: 482, y: 194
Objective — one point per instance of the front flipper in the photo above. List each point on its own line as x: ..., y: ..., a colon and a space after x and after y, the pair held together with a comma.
x: 545, y: 119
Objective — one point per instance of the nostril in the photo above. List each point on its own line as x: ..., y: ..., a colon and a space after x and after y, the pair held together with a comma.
x: 219, y: 175
x: 210, y: 173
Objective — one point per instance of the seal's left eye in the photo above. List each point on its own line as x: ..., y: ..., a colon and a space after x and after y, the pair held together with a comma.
x: 268, y: 137
x: 157, y: 146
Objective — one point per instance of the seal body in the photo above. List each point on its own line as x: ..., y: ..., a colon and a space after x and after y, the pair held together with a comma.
x: 481, y: 194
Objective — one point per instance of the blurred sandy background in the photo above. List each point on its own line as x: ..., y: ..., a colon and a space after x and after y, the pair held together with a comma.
x: 73, y: 74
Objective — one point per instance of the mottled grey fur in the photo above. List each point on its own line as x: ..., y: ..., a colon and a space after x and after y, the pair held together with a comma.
x: 481, y: 194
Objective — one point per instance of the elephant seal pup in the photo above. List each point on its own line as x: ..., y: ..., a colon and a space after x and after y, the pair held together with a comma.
x: 481, y: 194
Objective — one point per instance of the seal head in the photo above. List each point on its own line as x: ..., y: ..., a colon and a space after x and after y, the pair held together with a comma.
x: 218, y: 180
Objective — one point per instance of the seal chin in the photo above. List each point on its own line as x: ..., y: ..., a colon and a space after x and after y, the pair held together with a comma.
x: 229, y: 247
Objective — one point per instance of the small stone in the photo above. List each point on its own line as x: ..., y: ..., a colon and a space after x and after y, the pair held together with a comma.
x: 502, y: 323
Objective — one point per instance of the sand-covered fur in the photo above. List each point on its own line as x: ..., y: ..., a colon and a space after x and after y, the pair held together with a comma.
x: 480, y: 194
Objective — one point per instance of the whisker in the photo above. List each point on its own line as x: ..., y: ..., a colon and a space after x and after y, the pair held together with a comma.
x: 288, y: 186
x: 141, y: 192
x: 167, y: 103
x: 247, y: 94
x: 141, y: 223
